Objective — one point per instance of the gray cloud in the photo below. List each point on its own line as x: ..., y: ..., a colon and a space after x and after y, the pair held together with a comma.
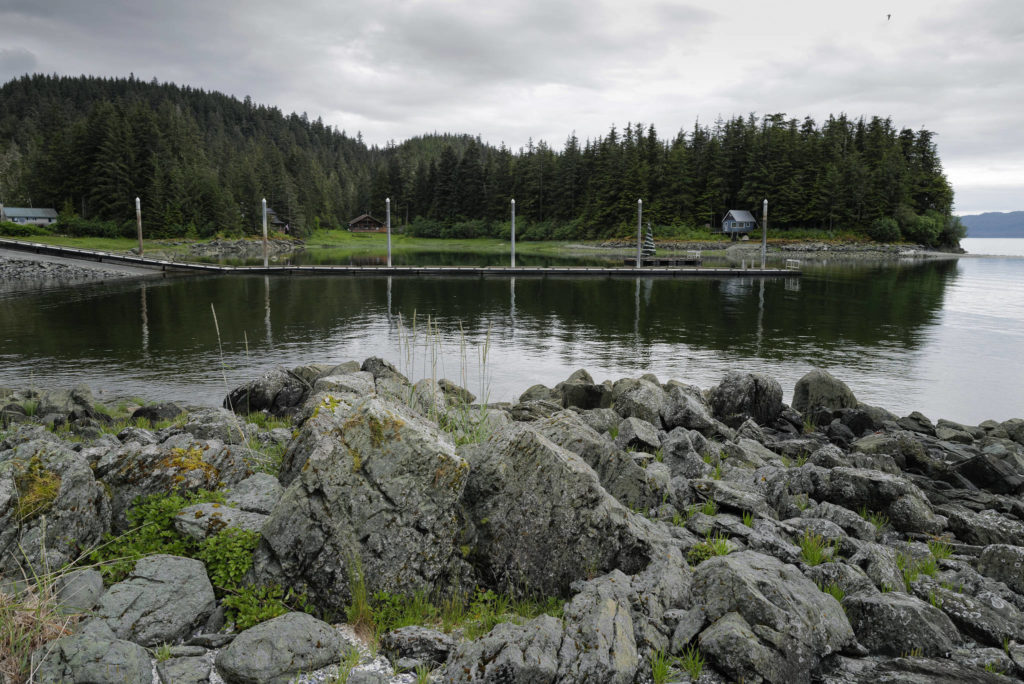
x: 534, y: 68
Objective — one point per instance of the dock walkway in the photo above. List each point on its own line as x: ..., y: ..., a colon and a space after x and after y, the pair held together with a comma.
x: 342, y: 270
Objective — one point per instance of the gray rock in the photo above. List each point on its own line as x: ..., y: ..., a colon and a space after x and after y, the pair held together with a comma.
x: 735, y: 496
x: 620, y: 475
x: 736, y: 650
x: 796, y: 622
x: 849, y: 578
x: 687, y: 625
x: 257, y: 493
x: 685, y: 407
x: 360, y: 382
x: 219, y: 424
x: 995, y: 473
x: 279, y: 392
x: 599, y: 643
x: 601, y: 420
x: 78, y: 591
x: 819, y: 388
x: 536, y: 409
x: 985, y: 527
x: 896, y: 624
x: 1004, y: 563
x: 179, y: 464
x: 639, y: 398
x: 987, y: 619
x: 200, y: 521
x: 84, y: 659
x: 51, y: 507
x: 746, y: 395
x: 850, y: 522
x: 542, y: 518
x: 162, y: 601
x: 541, y: 393
x: 894, y: 496
x: 156, y: 413
x: 274, y: 651
x: 580, y: 391
x: 510, y: 653
x: 879, y: 563
x: 185, y: 670
x: 379, y: 486
x: 917, y: 422
x: 637, y: 434
x: 428, y: 646
x: 909, y: 670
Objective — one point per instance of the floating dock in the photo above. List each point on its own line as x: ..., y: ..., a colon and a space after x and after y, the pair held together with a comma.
x: 166, y: 266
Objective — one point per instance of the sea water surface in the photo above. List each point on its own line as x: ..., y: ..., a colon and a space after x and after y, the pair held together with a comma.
x: 942, y: 337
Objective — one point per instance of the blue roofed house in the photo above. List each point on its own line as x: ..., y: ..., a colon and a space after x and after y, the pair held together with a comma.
x: 738, y: 222
x: 34, y: 216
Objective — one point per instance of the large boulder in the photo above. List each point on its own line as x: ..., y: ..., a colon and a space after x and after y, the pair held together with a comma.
x: 273, y: 652
x: 51, y: 507
x: 897, y: 624
x: 620, y: 475
x: 378, y: 488
x: 91, y: 657
x: 162, y: 601
x: 820, y: 389
x: 1004, y: 563
x: 796, y: 624
x: 510, y: 653
x: 985, y: 618
x: 746, y: 395
x: 639, y: 398
x: 279, y: 392
x: 181, y: 463
x: 580, y: 391
x: 542, y: 518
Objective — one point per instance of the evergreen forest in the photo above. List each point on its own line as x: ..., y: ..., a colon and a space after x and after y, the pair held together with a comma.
x: 201, y: 162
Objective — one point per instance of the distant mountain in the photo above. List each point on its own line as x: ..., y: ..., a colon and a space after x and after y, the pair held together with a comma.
x: 995, y: 224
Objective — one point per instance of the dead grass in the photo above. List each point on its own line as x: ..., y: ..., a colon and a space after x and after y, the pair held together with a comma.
x: 28, y: 620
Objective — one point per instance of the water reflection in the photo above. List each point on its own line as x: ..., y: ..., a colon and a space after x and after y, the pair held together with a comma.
x: 875, y: 327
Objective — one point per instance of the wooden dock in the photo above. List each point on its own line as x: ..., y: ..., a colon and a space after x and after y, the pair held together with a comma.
x: 184, y: 267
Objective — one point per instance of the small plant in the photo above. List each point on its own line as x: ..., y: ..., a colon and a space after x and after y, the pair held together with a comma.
x: 717, y: 545
x: 748, y: 518
x: 1006, y: 645
x: 228, y: 556
x: 249, y: 605
x: 423, y: 673
x: 912, y: 653
x: 613, y: 432
x: 349, y: 661
x: 162, y: 653
x: 359, y: 613
x: 28, y: 620
x: 707, y: 458
x: 994, y: 669
x: 880, y: 521
x: 716, y: 474
x: 802, y: 502
x: 30, y: 407
x: 659, y: 456
x: 814, y: 549
x: 940, y: 549
x: 802, y: 459
x: 36, y: 487
x: 909, y: 568
x: 934, y: 599
x: 808, y: 426
x: 661, y: 667
x: 692, y: 662
x: 833, y: 590
x: 710, y: 507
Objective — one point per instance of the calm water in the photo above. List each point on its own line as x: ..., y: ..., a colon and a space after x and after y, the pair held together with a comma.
x: 944, y: 337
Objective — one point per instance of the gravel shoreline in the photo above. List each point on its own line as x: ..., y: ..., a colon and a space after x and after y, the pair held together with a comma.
x: 27, y: 271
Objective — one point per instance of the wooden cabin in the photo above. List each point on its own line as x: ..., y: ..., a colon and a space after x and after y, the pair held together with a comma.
x: 738, y: 222
x: 28, y: 216
x: 367, y: 224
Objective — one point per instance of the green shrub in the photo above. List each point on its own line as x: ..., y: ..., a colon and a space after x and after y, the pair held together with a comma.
x: 250, y: 605
x: 884, y: 230
x: 814, y: 549
x: 228, y: 556
x: 717, y: 545
x: 76, y: 226
x: 23, y: 230
x: 152, y: 531
x: 692, y: 662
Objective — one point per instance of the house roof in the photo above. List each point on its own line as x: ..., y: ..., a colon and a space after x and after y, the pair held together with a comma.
x: 22, y: 212
x: 365, y: 216
x: 739, y: 215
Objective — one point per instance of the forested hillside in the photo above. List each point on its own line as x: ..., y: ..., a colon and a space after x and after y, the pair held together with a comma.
x: 201, y: 161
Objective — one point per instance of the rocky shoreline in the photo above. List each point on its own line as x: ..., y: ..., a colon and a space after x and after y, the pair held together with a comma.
x: 812, y: 251
x: 29, y: 271
x: 668, y: 534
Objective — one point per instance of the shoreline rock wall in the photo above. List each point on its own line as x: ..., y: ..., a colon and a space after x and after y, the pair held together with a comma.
x: 826, y: 541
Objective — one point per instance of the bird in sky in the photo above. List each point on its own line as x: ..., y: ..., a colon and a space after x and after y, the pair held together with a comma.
x: 888, y: 17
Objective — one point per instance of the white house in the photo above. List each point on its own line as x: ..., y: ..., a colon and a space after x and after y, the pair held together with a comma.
x: 34, y: 216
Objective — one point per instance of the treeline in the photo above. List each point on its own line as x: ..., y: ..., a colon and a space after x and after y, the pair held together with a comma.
x: 201, y: 162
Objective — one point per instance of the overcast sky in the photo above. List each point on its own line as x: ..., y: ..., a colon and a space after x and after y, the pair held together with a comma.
x: 541, y: 69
